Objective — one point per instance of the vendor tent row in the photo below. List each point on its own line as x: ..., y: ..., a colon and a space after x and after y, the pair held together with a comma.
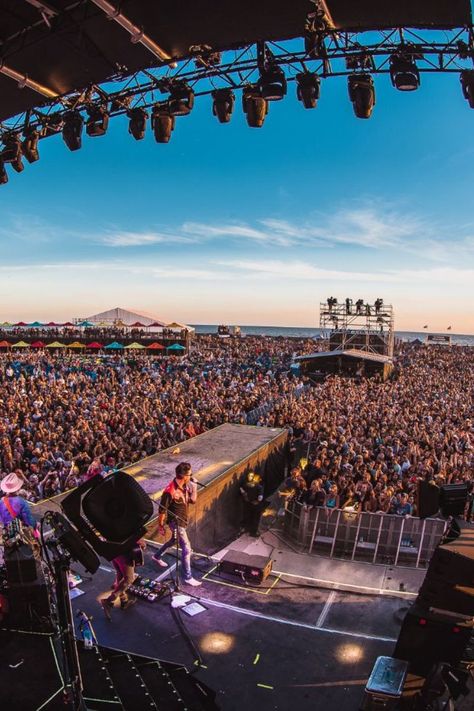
x: 98, y: 324
x: 95, y: 346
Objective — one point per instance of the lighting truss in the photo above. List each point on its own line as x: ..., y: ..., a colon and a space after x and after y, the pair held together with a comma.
x: 324, y: 54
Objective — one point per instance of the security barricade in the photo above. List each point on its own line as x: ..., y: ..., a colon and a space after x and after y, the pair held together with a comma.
x: 370, y: 537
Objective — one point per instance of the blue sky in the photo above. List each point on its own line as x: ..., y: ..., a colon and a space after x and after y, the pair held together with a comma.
x: 254, y: 226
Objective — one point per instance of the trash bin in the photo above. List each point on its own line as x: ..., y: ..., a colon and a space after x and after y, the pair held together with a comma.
x: 385, y: 685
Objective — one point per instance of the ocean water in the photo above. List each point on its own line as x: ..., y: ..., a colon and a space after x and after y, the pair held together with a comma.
x: 290, y: 332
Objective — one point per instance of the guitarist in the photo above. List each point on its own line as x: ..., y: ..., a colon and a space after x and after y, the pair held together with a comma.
x: 125, y: 575
x: 14, y: 507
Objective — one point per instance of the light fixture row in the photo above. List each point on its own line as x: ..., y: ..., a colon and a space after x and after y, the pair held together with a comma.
x: 271, y: 86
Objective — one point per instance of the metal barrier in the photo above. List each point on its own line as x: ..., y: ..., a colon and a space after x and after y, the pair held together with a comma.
x: 370, y: 537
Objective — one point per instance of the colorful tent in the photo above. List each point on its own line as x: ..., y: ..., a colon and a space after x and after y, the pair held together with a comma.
x: 5, y: 344
x: 155, y: 324
x: 114, y: 346
x: 134, y: 346
x: 55, y: 344
x: 94, y: 345
x: 155, y: 347
x: 68, y: 324
x: 5, y: 324
x: 35, y: 324
x: 52, y: 323
x: 21, y: 323
x: 37, y: 344
x: 85, y: 324
x: 20, y: 344
x: 137, y: 324
x: 76, y: 344
x: 176, y: 347
x: 175, y: 326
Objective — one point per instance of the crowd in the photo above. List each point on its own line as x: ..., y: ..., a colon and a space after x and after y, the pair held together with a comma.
x: 358, y: 445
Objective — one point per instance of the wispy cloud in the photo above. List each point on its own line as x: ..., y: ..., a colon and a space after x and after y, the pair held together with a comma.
x: 141, y: 239
x: 297, y: 270
x: 173, y: 271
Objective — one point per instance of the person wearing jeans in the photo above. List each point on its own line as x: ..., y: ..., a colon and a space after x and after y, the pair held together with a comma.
x: 174, y: 506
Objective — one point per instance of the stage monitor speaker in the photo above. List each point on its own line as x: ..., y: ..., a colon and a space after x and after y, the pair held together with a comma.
x: 452, y: 499
x: 449, y: 581
x: 117, y: 506
x: 249, y: 568
x: 20, y: 564
x: 425, y: 640
x: 427, y: 499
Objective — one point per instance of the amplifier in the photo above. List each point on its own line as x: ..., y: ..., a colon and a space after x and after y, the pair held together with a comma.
x: 20, y: 564
x: 250, y: 568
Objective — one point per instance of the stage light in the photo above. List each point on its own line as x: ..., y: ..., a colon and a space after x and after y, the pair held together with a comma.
x: 254, y: 105
x: 273, y: 83
x: 109, y: 512
x: 98, y: 121
x: 137, y: 126
x: 162, y: 122
x: 3, y: 173
x: 223, y: 104
x: 52, y: 124
x: 404, y: 73
x: 362, y: 94
x: 29, y: 146
x: 181, y: 99
x: 308, y: 86
x: 467, y: 83
x: 12, y: 152
x: 72, y: 130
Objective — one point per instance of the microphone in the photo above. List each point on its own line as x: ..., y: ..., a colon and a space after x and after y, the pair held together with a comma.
x: 195, y: 481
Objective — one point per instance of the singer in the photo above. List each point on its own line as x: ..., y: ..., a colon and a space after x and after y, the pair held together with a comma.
x: 174, y: 507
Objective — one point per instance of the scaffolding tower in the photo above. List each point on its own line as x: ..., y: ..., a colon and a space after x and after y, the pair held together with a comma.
x: 358, y: 325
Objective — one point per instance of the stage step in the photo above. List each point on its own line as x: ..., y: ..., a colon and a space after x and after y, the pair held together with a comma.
x: 98, y: 688
x: 160, y: 684
x: 128, y: 682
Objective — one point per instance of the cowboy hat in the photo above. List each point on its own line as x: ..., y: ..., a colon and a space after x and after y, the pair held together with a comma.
x: 11, y: 483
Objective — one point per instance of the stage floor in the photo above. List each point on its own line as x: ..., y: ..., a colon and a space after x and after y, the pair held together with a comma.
x: 275, y: 647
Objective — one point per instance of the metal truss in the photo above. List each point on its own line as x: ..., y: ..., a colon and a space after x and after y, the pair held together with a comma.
x: 364, y: 326
x: 325, y: 53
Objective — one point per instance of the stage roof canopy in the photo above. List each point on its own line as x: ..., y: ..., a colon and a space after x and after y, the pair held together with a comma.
x: 64, y: 46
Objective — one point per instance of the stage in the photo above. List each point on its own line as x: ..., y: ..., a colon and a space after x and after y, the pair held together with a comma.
x: 218, y: 457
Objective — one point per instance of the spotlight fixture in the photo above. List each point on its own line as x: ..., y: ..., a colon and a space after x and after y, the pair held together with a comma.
x: 137, y: 126
x: 404, y: 73
x: 223, y: 104
x: 3, y: 173
x: 162, y: 122
x: 362, y: 94
x: 98, y: 121
x: 72, y: 130
x: 308, y: 87
x: 254, y: 105
x: 467, y: 83
x: 12, y: 152
x: 181, y: 100
x: 273, y: 83
x: 52, y: 124
x: 29, y: 147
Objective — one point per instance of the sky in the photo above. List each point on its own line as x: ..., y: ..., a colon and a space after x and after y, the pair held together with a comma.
x: 231, y: 224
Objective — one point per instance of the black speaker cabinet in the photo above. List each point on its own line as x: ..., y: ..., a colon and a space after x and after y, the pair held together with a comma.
x: 449, y: 581
x: 427, y: 499
x: 20, y: 565
x: 425, y: 640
